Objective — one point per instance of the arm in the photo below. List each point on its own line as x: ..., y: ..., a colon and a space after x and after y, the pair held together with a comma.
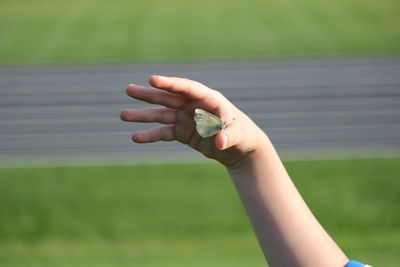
x: 288, y: 233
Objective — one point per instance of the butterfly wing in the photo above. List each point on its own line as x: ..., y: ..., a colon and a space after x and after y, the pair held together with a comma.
x: 207, y: 124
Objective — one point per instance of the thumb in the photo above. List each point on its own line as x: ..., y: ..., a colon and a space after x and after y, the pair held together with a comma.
x: 228, y: 137
x: 224, y: 140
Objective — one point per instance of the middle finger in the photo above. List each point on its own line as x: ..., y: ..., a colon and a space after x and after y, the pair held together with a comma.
x: 156, y: 96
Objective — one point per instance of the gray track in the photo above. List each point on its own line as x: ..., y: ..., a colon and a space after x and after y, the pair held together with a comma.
x: 310, y: 109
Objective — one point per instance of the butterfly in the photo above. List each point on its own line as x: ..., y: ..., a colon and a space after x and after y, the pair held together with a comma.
x: 208, y: 124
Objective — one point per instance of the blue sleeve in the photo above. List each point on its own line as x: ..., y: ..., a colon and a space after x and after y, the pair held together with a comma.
x: 356, y: 264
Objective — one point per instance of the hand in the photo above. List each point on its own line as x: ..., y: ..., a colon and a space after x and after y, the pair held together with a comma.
x: 179, y: 98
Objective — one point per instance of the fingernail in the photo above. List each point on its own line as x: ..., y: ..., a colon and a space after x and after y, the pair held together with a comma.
x: 222, y: 141
x: 159, y: 76
x: 225, y: 141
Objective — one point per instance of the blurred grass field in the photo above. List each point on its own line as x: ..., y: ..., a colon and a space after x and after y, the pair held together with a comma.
x: 184, y: 215
x: 59, y: 31
x: 188, y: 215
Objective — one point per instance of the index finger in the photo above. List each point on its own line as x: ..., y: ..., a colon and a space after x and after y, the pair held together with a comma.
x: 188, y: 88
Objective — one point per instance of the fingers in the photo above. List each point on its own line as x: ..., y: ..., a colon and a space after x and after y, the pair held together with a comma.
x: 191, y: 89
x: 163, y: 133
x: 160, y: 115
x: 155, y: 96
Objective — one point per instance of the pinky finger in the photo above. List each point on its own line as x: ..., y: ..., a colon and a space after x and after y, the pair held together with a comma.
x: 162, y: 133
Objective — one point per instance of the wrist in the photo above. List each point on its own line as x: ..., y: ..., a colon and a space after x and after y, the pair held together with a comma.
x: 259, y: 154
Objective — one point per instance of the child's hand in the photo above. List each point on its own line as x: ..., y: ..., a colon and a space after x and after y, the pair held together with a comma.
x: 180, y: 97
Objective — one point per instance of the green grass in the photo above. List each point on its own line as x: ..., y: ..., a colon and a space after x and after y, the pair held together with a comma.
x: 56, y: 31
x: 184, y: 215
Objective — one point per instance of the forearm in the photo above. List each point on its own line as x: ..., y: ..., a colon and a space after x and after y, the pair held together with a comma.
x: 287, y: 231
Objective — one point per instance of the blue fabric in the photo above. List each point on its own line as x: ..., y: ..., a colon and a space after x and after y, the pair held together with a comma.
x: 355, y: 264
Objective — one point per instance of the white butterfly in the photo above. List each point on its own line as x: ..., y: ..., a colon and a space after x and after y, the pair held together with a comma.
x: 208, y: 124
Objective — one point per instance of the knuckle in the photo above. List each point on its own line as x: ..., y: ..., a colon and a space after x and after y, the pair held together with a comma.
x: 217, y: 93
x: 161, y: 115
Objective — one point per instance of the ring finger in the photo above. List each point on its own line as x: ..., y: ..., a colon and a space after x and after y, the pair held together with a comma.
x: 160, y: 115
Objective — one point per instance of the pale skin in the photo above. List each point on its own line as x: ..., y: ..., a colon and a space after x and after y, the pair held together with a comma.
x: 287, y: 231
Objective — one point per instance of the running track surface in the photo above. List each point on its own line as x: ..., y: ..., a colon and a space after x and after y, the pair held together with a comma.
x: 311, y: 109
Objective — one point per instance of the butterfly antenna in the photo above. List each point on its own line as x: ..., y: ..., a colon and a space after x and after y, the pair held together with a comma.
x: 228, y: 122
